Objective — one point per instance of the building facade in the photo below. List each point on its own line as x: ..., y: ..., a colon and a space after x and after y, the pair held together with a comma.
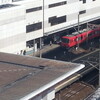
x: 12, y: 28
x: 36, y: 19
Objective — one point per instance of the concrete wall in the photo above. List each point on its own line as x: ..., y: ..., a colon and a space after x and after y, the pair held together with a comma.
x: 32, y: 17
x: 5, y: 1
x: 12, y: 29
x: 71, y: 10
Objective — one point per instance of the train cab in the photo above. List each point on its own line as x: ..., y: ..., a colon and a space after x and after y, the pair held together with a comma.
x: 65, y: 41
x: 79, y: 37
x: 68, y: 41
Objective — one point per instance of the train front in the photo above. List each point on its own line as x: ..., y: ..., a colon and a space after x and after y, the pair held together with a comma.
x: 65, y: 42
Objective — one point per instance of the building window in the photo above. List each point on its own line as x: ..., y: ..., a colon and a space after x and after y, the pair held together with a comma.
x: 84, y: 1
x: 57, y: 20
x: 16, y: 0
x: 33, y: 27
x: 57, y: 4
x: 82, y: 12
x: 33, y: 9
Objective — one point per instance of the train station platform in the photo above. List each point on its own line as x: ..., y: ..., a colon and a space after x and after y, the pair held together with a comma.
x: 83, y: 48
x: 32, y: 78
x: 78, y: 50
x: 44, y: 50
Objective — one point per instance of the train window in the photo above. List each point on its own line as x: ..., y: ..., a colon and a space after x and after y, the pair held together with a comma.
x: 65, y: 40
x: 97, y: 32
x: 79, y: 38
x: 89, y: 35
x: 85, y: 35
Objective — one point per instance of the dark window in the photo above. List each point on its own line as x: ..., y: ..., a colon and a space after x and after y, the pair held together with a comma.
x: 16, y: 0
x: 57, y: 20
x: 82, y: 12
x: 6, y: 6
x: 84, y: 1
x: 52, y: 19
x: 91, y: 34
x: 33, y: 9
x: 33, y: 27
x: 78, y: 38
x: 94, y: 0
x: 65, y: 40
x: 97, y: 32
x: 57, y: 4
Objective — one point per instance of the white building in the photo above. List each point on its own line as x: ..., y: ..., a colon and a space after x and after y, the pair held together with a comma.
x: 32, y: 19
x: 12, y: 28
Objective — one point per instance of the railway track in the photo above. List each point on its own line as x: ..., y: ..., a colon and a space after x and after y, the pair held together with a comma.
x: 88, y: 80
x: 76, y: 91
x: 90, y: 60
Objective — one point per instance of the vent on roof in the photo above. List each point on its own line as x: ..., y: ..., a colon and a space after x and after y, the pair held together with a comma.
x: 42, y: 67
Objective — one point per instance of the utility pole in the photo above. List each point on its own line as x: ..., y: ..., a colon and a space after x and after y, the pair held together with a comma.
x: 34, y: 47
x: 99, y: 64
x: 80, y: 12
x: 78, y: 28
x: 43, y: 31
x: 40, y: 47
x: 87, y: 35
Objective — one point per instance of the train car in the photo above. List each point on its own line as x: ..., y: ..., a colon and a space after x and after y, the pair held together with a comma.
x: 79, y: 37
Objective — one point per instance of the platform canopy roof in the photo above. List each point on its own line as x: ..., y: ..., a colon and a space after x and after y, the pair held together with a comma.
x: 23, y: 77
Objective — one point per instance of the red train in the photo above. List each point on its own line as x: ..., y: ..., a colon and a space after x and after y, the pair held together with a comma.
x: 77, y: 38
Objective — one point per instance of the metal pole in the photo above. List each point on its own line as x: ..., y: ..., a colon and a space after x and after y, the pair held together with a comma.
x: 43, y: 18
x: 34, y: 47
x: 99, y: 64
x: 87, y: 35
x: 43, y: 32
x: 40, y: 47
x: 80, y: 12
x: 78, y: 21
x: 78, y: 29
